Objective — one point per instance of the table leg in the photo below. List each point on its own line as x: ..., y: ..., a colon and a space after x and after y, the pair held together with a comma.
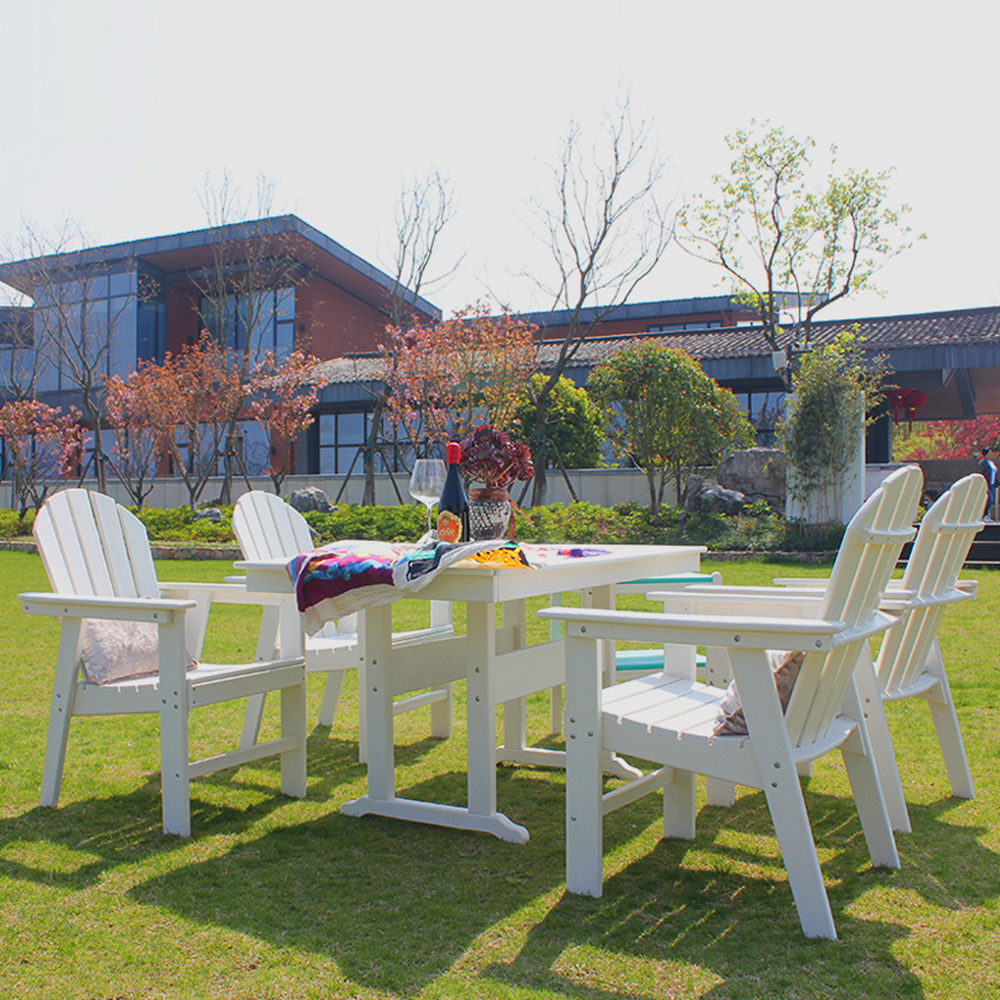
x: 481, y: 814
x: 515, y: 713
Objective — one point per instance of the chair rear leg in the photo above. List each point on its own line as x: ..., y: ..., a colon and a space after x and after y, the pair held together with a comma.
x: 441, y: 714
x: 331, y: 696
x: 679, y: 806
x: 872, y: 812
x: 880, y: 741
x: 267, y: 648
x: 952, y: 748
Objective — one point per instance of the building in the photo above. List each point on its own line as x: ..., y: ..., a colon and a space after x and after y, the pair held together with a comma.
x: 273, y: 283
x: 278, y: 283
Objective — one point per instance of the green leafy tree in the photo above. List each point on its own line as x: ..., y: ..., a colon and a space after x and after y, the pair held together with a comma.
x: 574, y: 423
x: 665, y: 414
x: 834, y: 388
x: 785, y: 243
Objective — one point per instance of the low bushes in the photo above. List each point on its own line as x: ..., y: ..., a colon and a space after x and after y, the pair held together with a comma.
x: 756, y: 530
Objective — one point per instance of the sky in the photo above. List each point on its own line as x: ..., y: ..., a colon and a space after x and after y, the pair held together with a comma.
x: 117, y: 111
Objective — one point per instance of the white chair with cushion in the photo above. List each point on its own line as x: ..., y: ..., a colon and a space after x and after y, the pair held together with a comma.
x: 268, y: 528
x: 128, y: 645
x: 909, y: 662
x: 691, y: 728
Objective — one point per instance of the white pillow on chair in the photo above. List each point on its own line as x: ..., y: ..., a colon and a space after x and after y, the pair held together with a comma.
x: 120, y: 650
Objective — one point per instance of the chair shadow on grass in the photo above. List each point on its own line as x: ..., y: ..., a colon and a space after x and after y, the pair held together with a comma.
x: 95, y: 834
x: 689, y: 903
x: 394, y: 903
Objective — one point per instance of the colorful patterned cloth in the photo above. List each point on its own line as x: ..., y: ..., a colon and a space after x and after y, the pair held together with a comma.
x: 347, y: 576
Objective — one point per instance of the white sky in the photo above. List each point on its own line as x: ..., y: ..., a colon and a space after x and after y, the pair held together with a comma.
x: 115, y: 111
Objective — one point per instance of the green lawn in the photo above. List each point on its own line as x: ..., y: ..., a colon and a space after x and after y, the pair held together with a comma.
x: 275, y: 898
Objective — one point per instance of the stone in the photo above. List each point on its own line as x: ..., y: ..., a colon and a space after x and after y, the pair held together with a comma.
x: 209, y: 514
x: 311, y: 499
x: 758, y: 473
x: 719, y: 500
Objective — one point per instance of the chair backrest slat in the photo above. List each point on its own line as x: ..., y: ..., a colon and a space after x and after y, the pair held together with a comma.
x: 939, y: 552
x: 867, y: 557
x: 91, y: 545
x: 268, y: 528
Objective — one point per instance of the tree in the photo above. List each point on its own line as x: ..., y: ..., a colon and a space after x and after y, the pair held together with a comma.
x: 606, y: 231
x: 82, y: 303
x: 443, y: 379
x: 136, y: 448
x: 284, y: 395
x: 665, y: 414
x: 772, y: 234
x: 255, y: 268
x: 189, y: 400
x: 424, y: 208
x: 946, y: 439
x: 42, y: 447
x: 574, y: 424
x: 834, y: 388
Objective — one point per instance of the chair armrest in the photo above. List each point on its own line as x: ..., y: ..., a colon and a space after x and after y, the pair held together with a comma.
x: 810, y: 582
x: 774, y: 602
x: 693, y: 630
x: 139, y: 609
x: 219, y: 593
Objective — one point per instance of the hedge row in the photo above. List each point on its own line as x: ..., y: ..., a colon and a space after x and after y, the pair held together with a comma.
x: 757, y: 530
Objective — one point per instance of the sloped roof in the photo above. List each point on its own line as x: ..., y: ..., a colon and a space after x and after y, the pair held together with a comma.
x: 960, y: 327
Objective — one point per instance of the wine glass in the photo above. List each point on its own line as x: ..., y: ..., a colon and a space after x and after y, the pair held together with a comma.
x: 426, y: 483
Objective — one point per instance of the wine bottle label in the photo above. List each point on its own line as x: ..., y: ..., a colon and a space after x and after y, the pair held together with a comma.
x: 449, y: 527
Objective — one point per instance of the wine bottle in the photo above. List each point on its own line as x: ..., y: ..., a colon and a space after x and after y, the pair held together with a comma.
x: 453, y: 507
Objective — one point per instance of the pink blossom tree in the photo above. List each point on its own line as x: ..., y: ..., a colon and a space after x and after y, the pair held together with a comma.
x: 42, y: 448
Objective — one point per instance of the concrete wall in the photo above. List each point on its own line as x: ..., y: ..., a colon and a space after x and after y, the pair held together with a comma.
x: 605, y: 487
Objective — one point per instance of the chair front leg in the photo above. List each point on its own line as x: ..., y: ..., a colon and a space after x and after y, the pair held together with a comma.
x: 61, y: 711
x: 584, y: 778
x: 175, y: 781
x: 293, y: 723
x: 773, y: 755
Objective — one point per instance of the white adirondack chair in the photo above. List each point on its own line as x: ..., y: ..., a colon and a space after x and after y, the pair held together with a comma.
x: 909, y: 663
x: 670, y: 718
x: 631, y: 661
x: 100, y: 566
x: 268, y: 528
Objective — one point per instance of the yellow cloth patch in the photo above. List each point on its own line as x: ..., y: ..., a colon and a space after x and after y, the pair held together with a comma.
x: 509, y: 555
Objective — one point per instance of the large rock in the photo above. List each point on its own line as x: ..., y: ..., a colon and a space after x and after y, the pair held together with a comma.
x: 758, y: 473
x: 718, y: 500
x: 309, y: 499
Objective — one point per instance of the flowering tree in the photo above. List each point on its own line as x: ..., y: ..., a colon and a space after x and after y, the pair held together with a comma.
x: 946, y: 439
x: 136, y: 447
x: 665, y: 414
x: 447, y: 377
x: 42, y: 448
x: 285, y: 394
x: 188, y: 401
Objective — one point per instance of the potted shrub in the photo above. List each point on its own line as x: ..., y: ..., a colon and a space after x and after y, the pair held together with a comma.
x: 490, y: 457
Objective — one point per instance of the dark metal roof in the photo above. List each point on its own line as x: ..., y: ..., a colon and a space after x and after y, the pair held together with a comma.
x: 191, y: 250
x: 954, y: 356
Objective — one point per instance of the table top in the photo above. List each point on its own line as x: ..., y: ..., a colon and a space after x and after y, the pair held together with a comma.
x: 471, y: 581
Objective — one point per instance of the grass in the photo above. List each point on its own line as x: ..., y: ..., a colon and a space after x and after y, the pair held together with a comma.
x: 278, y: 898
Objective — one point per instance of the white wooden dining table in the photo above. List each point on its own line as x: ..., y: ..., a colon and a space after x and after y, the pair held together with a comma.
x: 497, y: 663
